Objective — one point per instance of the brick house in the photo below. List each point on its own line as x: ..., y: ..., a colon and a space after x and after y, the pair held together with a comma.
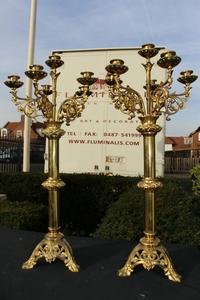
x: 11, y: 146
x: 183, y: 146
x: 16, y: 130
x: 195, y: 136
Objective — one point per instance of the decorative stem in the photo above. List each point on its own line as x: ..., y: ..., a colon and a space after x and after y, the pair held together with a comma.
x: 54, y: 77
x: 149, y: 129
x: 148, y: 67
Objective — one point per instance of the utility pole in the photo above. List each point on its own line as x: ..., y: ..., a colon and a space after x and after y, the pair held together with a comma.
x: 28, y: 86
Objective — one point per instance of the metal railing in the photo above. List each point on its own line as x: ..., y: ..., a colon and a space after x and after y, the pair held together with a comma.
x: 11, y: 154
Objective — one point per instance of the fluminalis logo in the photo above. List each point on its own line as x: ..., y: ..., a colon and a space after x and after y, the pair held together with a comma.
x: 99, y: 89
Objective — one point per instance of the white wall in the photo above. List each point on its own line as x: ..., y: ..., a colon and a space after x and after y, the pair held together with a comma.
x: 83, y: 146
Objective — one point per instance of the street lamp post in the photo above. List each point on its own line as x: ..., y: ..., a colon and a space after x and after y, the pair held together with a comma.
x: 157, y: 99
x: 54, y: 245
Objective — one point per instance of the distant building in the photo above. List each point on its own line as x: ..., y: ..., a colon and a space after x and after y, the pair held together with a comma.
x: 11, y: 146
x: 16, y: 130
x: 183, y: 146
x: 195, y: 136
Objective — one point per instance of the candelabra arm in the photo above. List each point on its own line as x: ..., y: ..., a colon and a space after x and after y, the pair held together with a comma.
x: 24, y: 105
x: 159, y: 97
x: 15, y: 97
x: 72, y: 107
x: 176, y: 102
x: 186, y: 93
x: 37, y: 92
x: 46, y: 107
x: 40, y: 103
x: 127, y: 100
x: 166, y: 84
x: 169, y: 80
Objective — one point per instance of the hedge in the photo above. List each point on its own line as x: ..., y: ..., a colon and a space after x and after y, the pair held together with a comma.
x: 195, y: 176
x: 114, y: 202
x: 83, y: 200
x: 178, y: 216
x: 23, y: 215
x: 23, y: 187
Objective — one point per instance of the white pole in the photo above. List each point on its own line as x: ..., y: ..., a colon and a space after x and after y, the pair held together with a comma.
x: 28, y: 86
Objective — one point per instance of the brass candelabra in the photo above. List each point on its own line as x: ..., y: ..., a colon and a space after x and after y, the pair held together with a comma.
x: 157, y: 99
x: 54, y: 245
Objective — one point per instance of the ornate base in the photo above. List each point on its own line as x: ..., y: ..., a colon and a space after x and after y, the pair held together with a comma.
x: 150, y: 253
x: 51, y: 247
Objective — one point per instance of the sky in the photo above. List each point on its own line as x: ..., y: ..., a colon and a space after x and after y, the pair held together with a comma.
x: 80, y: 24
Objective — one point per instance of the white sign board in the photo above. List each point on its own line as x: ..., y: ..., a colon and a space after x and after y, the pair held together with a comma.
x: 103, y: 140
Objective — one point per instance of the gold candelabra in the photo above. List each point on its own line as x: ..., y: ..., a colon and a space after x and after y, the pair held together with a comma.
x: 157, y: 99
x: 54, y: 245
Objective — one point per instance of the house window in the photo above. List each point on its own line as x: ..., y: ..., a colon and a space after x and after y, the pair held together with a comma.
x: 187, y: 141
x: 199, y: 137
x: 4, y: 132
x: 96, y: 167
x: 107, y: 168
x: 18, y: 134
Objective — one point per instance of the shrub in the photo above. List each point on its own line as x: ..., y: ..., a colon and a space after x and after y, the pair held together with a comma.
x: 23, y: 187
x: 23, y: 215
x: 124, y: 218
x: 178, y: 217
x: 195, y: 176
x: 83, y: 200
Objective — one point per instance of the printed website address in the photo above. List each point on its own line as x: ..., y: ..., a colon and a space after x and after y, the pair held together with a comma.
x: 104, y: 142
